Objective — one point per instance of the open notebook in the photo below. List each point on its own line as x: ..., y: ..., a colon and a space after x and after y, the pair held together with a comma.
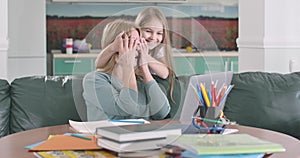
x: 190, y: 102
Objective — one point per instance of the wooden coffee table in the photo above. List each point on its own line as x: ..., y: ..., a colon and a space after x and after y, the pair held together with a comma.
x: 12, y: 146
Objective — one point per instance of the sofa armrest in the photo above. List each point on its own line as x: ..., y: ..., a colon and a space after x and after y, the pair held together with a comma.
x: 4, y: 107
x: 43, y: 101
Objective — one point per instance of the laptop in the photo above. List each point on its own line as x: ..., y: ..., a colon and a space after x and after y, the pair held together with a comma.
x: 190, y: 103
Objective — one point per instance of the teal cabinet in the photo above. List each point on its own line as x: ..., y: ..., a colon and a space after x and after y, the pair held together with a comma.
x: 220, y: 64
x: 72, y: 66
x: 234, y: 64
x: 184, y: 63
x: 188, y: 65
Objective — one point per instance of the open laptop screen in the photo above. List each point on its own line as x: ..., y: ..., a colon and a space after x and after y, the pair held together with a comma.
x: 190, y: 101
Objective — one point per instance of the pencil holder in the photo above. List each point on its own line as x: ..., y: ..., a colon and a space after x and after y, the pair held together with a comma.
x: 202, y: 111
x: 210, y: 112
x: 213, y: 112
x: 207, y: 120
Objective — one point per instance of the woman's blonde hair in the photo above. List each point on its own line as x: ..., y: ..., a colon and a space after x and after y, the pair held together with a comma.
x: 144, y: 17
x: 110, y: 32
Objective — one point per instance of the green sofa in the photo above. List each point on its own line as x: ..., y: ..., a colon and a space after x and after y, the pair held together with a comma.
x: 39, y: 101
x: 258, y: 99
x: 266, y: 100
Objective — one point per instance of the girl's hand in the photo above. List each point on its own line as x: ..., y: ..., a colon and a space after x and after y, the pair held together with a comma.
x: 115, y: 45
x: 144, y: 61
x: 127, y: 52
x: 125, y: 62
x: 109, y: 51
x: 143, y: 53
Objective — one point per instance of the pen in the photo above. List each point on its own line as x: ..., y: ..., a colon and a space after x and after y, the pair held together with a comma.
x: 225, y: 94
x: 128, y: 121
x: 208, y: 120
x: 200, y: 95
x: 80, y: 136
x: 205, y: 96
x: 212, y: 93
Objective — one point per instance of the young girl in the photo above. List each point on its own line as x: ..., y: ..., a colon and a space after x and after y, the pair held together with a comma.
x: 116, y: 91
x: 155, y: 31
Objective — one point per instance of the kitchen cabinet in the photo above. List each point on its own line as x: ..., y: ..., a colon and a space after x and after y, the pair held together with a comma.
x: 73, y: 64
x: 203, y: 63
x: 184, y: 63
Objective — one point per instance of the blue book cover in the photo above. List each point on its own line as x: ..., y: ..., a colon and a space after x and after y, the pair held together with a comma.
x: 193, y: 155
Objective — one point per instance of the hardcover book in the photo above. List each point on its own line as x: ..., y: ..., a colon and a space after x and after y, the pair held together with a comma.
x: 131, y: 146
x: 214, y: 144
x: 90, y: 126
x: 138, y: 132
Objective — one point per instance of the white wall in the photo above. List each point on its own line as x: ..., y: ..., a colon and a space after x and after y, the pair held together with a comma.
x: 27, y: 38
x: 269, y: 36
x: 3, y: 38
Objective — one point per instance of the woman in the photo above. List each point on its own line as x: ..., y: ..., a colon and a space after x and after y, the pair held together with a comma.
x: 124, y: 88
x: 155, y: 30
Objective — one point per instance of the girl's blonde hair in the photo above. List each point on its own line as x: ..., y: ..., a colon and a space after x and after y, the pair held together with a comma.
x: 110, y: 32
x: 144, y: 17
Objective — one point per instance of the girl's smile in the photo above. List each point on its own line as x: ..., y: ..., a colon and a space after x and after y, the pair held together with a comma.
x: 153, y: 33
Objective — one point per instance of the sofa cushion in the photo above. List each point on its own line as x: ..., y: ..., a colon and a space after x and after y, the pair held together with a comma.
x: 42, y: 101
x: 4, y: 107
x: 266, y: 100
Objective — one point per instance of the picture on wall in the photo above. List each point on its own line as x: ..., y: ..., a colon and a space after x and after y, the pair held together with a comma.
x: 202, y: 27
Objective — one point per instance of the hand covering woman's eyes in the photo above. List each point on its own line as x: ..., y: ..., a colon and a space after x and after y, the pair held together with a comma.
x: 124, y: 35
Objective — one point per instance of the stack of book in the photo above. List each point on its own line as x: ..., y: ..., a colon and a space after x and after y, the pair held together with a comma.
x: 232, y: 145
x: 134, y: 138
